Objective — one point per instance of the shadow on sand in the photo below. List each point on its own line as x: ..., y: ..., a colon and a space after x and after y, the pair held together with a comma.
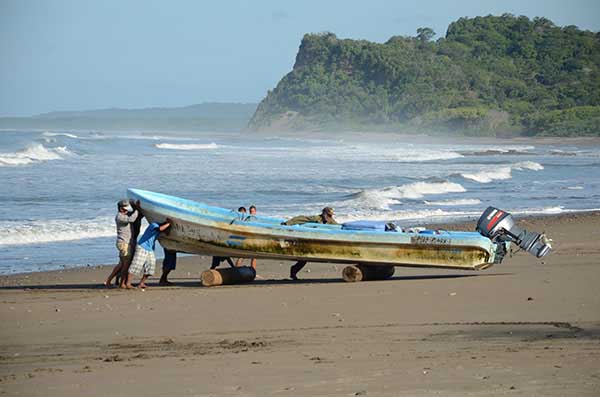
x: 195, y: 283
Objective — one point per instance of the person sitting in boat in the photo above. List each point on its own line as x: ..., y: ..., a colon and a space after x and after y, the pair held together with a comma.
x: 144, y: 261
x: 249, y: 218
x: 242, y: 213
x: 252, y: 216
x: 326, y: 217
x: 217, y: 260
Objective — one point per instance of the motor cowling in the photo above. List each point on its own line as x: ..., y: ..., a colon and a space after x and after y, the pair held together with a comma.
x: 499, y: 226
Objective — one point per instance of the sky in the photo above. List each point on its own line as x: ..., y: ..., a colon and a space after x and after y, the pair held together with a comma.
x: 83, y: 54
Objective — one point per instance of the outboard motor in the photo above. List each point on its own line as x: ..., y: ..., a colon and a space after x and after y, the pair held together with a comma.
x: 499, y: 226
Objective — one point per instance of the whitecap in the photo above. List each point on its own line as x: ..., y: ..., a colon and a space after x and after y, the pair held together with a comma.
x: 72, y: 136
x: 499, y: 150
x: 384, y: 198
x: 33, y: 153
x: 423, y: 216
x: 501, y: 173
x: 540, y: 211
x: 379, y: 199
x: 422, y: 155
x: 528, y: 165
x: 559, y: 209
x: 52, y: 230
x: 187, y: 146
x: 488, y: 176
x: 558, y: 152
x: 454, y: 202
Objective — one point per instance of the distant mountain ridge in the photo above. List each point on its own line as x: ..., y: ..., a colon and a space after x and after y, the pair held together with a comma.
x: 208, y: 110
x: 488, y: 75
x: 201, y: 117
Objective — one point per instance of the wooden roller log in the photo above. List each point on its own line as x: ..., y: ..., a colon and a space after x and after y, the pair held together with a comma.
x: 365, y: 273
x: 227, y: 276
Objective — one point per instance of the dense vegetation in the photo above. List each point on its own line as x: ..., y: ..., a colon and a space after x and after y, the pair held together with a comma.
x: 489, y: 75
x: 202, y: 117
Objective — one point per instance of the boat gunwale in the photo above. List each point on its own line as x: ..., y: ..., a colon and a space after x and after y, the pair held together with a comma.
x: 469, y: 239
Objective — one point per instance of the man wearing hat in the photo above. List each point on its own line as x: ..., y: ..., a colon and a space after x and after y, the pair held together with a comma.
x: 125, y: 219
x: 326, y: 217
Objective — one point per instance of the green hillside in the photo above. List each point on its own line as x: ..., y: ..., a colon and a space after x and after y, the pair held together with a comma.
x: 488, y: 75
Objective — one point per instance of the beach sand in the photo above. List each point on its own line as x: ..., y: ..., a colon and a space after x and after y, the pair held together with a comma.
x: 525, y: 327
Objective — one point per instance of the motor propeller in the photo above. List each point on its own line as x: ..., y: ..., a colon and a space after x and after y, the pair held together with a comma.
x: 500, y: 226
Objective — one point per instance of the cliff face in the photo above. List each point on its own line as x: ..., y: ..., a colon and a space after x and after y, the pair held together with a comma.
x: 488, y: 75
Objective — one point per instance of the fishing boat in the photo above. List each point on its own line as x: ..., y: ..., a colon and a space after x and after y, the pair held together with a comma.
x: 198, y: 228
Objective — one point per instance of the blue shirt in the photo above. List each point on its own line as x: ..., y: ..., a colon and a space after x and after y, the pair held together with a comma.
x: 148, y: 239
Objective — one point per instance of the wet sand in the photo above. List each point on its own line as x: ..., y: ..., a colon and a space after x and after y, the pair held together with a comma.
x: 524, y: 327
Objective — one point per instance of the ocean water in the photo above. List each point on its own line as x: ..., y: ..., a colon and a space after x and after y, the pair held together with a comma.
x: 59, y: 189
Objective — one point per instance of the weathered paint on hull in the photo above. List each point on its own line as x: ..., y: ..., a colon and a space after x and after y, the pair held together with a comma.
x: 239, y: 240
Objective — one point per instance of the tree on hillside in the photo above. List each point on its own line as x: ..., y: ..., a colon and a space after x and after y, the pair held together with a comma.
x: 488, y: 74
x: 425, y: 34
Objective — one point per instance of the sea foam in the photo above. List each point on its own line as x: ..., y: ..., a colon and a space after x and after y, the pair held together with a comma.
x: 72, y: 136
x: 383, y: 198
x: 187, y: 146
x: 422, y: 155
x: 499, y: 150
x: 52, y: 230
x: 501, y: 173
x: 418, y: 217
x: 33, y: 153
x: 454, y: 202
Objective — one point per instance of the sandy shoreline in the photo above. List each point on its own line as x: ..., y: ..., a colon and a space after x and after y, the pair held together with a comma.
x: 524, y: 327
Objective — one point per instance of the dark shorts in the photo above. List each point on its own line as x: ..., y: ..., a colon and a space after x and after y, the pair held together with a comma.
x: 170, y: 261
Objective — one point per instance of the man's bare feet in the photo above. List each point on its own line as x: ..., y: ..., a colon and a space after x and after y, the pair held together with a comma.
x: 127, y: 286
x: 107, y: 284
x: 142, y: 286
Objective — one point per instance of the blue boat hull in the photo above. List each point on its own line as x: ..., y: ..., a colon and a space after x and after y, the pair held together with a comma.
x: 206, y: 230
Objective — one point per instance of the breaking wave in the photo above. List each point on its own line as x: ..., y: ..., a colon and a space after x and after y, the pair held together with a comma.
x: 51, y: 230
x: 495, y: 151
x: 558, y: 152
x: 385, y: 153
x: 501, y: 173
x: 422, y: 216
x: 32, y: 154
x: 72, y: 136
x: 454, y: 202
x: 542, y: 211
x: 187, y: 146
x: 422, y: 155
x: 384, y: 198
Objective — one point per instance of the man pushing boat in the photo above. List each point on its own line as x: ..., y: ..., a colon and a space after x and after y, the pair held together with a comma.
x: 144, y: 261
x: 326, y: 217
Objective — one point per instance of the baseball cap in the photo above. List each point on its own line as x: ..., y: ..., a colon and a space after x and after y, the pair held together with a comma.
x: 328, y: 210
x: 125, y: 204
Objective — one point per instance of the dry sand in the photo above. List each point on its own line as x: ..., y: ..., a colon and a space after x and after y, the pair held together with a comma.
x: 525, y: 327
